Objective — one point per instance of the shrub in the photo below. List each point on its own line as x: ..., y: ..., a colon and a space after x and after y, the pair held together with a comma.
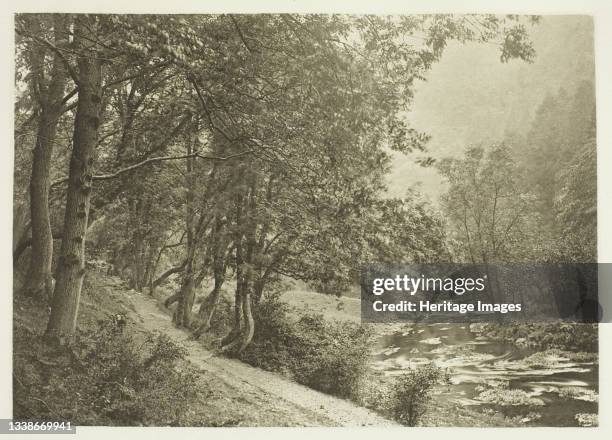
x: 106, y: 377
x: 411, y: 393
x: 586, y: 419
x: 509, y: 397
x: 329, y: 357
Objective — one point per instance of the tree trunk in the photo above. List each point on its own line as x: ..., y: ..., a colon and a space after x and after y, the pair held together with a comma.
x: 39, y: 274
x: 182, y: 315
x: 207, y: 310
x: 149, y: 262
x: 244, y: 324
x: 249, y: 322
x: 251, y: 243
x: 71, y: 264
x: 232, y: 339
x: 218, y: 250
x: 258, y: 289
x: 21, y: 231
x: 39, y: 283
x: 209, y: 305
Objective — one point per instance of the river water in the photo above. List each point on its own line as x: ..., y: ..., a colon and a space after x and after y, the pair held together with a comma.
x: 552, y: 386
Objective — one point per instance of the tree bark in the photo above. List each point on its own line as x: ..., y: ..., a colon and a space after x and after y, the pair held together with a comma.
x: 26, y: 242
x: 21, y: 229
x: 232, y: 339
x: 249, y: 322
x: 71, y: 264
x: 207, y: 309
x: 244, y: 325
x: 182, y: 314
x: 39, y: 283
x: 209, y: 305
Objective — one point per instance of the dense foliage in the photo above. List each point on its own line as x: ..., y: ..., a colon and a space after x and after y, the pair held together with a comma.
x: 565, y: 336
x: 195, y: 145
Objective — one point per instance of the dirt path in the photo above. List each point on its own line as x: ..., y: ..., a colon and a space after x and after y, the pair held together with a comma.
x: 318, y: 408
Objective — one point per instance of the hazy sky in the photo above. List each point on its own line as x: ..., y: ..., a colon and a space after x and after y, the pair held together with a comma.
x: 470, y: 97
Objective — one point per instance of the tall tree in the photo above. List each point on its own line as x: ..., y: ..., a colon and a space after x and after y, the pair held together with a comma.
x: 493, y: 221
x: 48, y: 79
x: 71, y: 266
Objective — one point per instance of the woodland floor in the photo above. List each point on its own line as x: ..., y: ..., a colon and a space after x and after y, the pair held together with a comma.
x: 233, y: 393
x: 267, y: 391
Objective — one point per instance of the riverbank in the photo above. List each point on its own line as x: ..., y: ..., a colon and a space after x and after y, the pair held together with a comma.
x: 490, y: 385
x: 536, y: 378
x: 230, y: 393
x: 457, y: 409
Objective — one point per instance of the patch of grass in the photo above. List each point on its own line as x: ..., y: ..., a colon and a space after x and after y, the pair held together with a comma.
x: 578, y: 393
x: 549, y: 358
x: 508, y: 397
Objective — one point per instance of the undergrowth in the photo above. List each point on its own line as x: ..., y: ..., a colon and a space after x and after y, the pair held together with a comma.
x: 564, y: 336
x: 105, y: 377
x: 326, y: 356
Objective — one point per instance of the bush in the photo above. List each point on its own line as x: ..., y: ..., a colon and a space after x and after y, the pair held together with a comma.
x: 503, y: 396
x: 586, y: 419
x: 106, y: 377
x: 563, y: 336
x: 411, y: 393
x: 329, y: 357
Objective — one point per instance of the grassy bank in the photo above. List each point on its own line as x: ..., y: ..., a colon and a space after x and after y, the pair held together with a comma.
x: 131, y: 377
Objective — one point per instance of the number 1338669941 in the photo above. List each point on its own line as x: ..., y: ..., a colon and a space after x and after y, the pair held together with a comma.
x: 21, y: 426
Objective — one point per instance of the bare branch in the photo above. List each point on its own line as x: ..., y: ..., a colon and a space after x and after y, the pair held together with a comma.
x: 207, y: 111
x: 154, y: 160
x: 166, y: 274
x: 240, y: 34
x: 143, y: 71
x: 69, y: 95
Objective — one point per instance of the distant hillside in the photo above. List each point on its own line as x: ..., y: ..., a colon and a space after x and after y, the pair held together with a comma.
x: 488, y: 99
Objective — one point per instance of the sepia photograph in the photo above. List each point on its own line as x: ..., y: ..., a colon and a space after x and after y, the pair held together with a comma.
x: 199, y: 200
